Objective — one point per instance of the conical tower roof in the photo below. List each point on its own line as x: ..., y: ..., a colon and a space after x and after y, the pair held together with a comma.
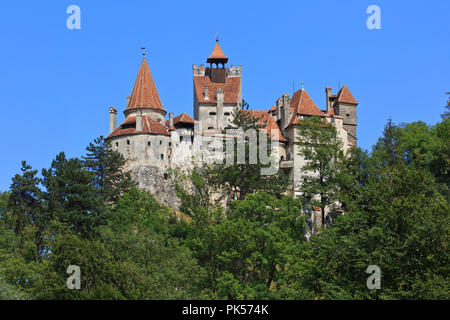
x: 217, y: 55
x: 144, y: 95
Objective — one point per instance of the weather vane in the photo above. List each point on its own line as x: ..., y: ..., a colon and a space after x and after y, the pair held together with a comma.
x: 143, y: 50
x: 303, y: 85
x: 217, y: 36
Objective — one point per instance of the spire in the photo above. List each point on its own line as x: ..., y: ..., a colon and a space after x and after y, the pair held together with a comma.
x: 217, y: 55
x: 144, y: 95
x: 346, y: 96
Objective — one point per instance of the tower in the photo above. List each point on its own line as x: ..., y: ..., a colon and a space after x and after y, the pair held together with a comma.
x: 145, y: 97
x: 217, y: 91
x: 345, y: 106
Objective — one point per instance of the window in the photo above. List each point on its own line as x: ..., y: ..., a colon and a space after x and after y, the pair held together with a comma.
x: 210, y: 128
x: 192, y: 139
x: 117, y: 144
x: 166, y: 176
x: 282, y: 158
x: 148, y: 143
x: 162, y: 156
x: 181, y: 138
x: 212, y: 113
x: 170, y: 144
x: 128, y: 142
x: 226, y: 113
x: 160, y: 142
x: 348, y: 114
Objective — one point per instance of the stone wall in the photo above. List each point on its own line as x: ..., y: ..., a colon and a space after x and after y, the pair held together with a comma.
x: 154, y: 180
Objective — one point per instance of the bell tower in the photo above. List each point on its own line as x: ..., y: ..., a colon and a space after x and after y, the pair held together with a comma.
x: 217, y: 61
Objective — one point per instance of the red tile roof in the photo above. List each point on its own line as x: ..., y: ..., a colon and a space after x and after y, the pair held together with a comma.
x: 230, y: 89
x: 217, y: 53
x: 182, y: 118
x: 302, y: 104
x: 149, y: 126
x: 346, y: 96
x: 269, y: 123
x: 144, y: 93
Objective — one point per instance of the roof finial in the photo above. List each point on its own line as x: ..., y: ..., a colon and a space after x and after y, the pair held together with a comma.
x: 143, y: 50
x: 303, y: 85
x: 217, y: 36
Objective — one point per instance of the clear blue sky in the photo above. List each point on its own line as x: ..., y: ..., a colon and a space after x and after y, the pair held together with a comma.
x: 56, y: 84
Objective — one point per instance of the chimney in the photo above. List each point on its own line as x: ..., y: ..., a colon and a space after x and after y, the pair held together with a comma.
x: 128, y: 101
x: 139, y: 121
x: 220, y: 98
x: 280, y: 114
x: 328, y: 95
x: 170, y: 120
x: 286, y: 109
x: 206, y: 92
x: 112, y: 119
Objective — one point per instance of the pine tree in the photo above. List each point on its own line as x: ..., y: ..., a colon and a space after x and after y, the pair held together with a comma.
x: 320, y: 145
x: 71, y: 195
x: 107, y: 165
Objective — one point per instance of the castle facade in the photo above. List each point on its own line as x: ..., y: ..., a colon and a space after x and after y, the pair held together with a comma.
x: 152, y: 142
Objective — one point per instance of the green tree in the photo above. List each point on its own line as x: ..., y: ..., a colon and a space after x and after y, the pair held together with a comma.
x: 401, y: 226
x: 246, y: 178
x: 321, y: 147
x: 71, y: 196
x: 107, y: 165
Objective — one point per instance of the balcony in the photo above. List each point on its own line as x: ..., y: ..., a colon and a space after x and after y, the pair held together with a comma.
x: 286, y: 164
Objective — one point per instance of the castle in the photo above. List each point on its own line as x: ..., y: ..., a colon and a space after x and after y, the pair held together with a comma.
x: 151, y: 144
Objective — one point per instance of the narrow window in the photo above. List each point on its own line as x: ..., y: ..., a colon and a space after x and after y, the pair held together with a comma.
x: 162, y: 156
x: 165, y: 176
x: 117, y: 144
x: 192, y: 139
x: 181, y: 138
x: 170, y: 144
x: 160, y: 142
x: 128, y: 142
